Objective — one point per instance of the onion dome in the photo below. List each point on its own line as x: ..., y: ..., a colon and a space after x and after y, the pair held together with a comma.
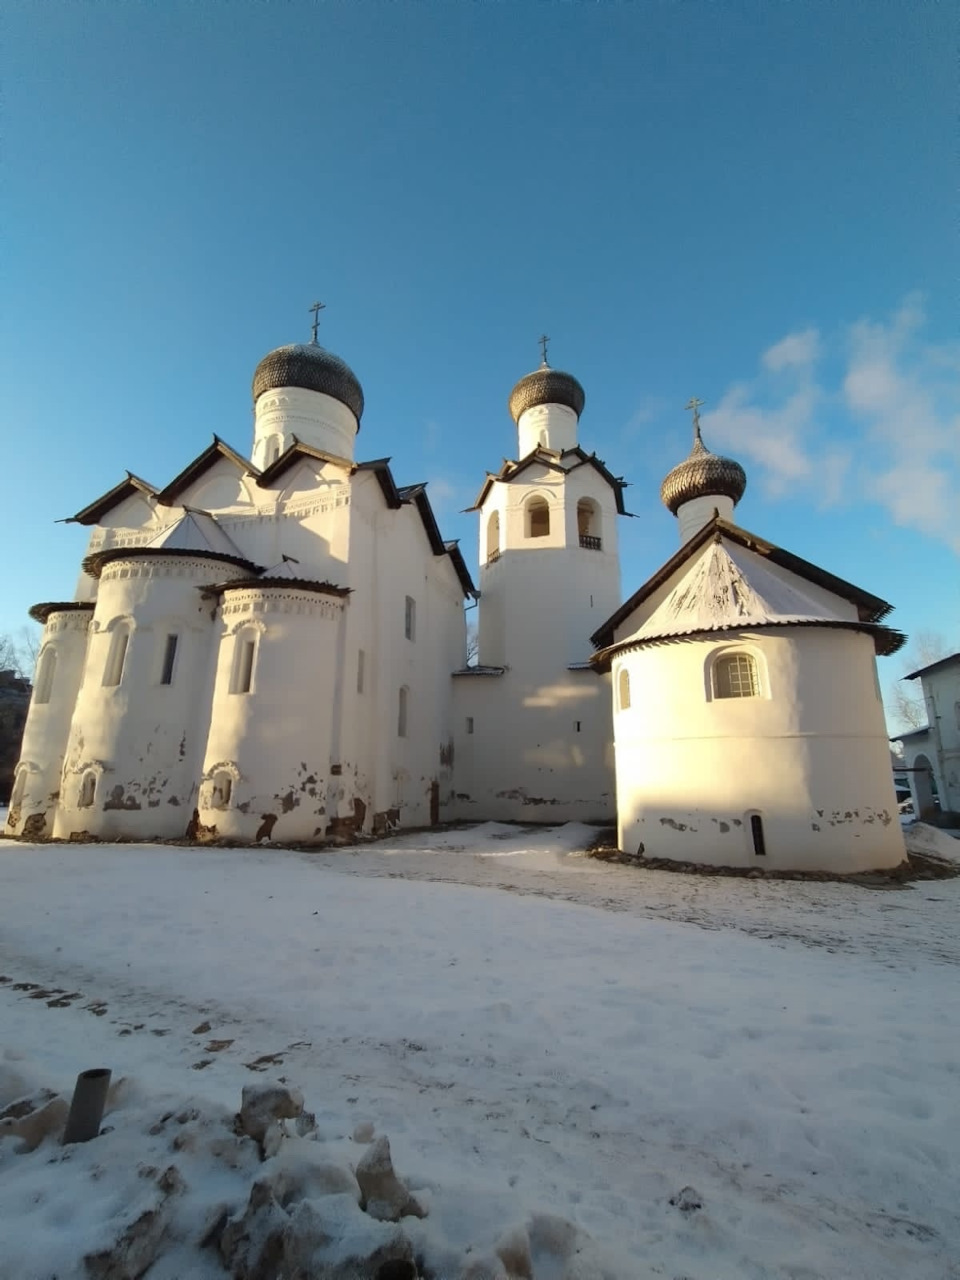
x: 703, y: 474
x: 546, y: 386
x: 312, y: 367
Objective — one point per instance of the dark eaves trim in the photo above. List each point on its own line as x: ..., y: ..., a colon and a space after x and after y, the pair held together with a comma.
x: 41, y: 612
x: 92, y: 513
x: 94, y: 564
x: 203, y: 462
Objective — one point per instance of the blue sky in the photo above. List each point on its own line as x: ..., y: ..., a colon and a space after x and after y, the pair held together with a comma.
x: 750, y: 202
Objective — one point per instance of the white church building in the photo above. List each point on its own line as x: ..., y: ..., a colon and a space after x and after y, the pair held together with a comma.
x: 274, y: 647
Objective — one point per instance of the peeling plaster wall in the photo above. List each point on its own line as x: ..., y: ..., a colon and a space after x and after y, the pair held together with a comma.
x: 142, y: 738
x: 810, y: 756
x: 48, y: 725
x: 273, y: 741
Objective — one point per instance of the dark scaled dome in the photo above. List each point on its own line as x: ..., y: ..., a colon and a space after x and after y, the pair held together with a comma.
x: 703, y: 474
x: 312, y: 367
x: 546, y: 386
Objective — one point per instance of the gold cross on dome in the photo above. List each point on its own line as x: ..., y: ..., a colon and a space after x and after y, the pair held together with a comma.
x: 316, y: 309
x: 543, y: 340
x: 694, y: 404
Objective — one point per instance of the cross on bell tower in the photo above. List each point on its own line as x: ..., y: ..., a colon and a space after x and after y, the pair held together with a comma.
x: 694, y: 404
x: 543, y: 340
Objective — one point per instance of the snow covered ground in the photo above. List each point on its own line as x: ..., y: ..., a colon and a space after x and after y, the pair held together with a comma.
x: 535, y: 1031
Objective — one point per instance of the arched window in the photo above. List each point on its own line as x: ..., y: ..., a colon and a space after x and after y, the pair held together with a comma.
x: 19, y: 787
x: 623, y: 688
x: 493, y: 537
x: 402, y: 712
x: 221, y: 790
x: 272, y: 451
x: 538, y: 518
x: 588, y: 524
x: 88, y: 790
x: 735, y: 676
x: 117, y: 657
x: 46, y: 670
x: 244, y: 660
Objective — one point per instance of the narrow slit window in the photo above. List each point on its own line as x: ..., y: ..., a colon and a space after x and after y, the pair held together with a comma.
x: 402, y: 712
x: 117, y: 657
x: 410, y: 619
x: 361, y: 664
x: 243, y: 663
x: 735, y: 676
x: 169, y: 658
x: 46, y: 670
x: 623, y: 687
x: 469, y: 724
x: 756, y: 831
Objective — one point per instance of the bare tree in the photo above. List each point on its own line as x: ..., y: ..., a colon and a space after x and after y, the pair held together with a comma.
x: 19, y: 653
x: 907, y: 707
x: 473, y: 644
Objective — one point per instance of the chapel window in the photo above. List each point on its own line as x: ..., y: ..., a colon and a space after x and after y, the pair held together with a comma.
x: 88, y: 790
x: 623, y: 688
x: 117, y: 657
x: 410, y: 619
x: 169, y: 659
x: 46, y: 670
x: 538, y: 518
x: 735, y: 676
x: 402, y: 712
x: 244, y: 657
x: 756, y: 833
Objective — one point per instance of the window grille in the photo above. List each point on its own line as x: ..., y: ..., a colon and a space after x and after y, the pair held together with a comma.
x: 735, y: 676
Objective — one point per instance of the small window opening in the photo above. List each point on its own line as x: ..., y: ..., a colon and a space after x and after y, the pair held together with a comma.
x: 577, y: 723
x: 361, y: 663
x: 243, y: 663
x: 402, y: 712
x: 88, y: 790
x: 493, y: 537
x: 117, y: 657
x: 735, y: 676
x: 410, y: 619
x: 45, y: 672
x: 623, y: 689
x: 469, y: 724
x: 756, y: 830
x: 221, y: 791
x: 169, y: 658
x: 272, y: 451
x: 588, y: 524
x: 538, y: 518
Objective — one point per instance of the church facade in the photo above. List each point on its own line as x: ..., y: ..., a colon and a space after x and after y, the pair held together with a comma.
x: 274, y: 647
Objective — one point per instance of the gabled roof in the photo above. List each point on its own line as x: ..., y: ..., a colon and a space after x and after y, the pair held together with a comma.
x: 196, y: 533
x: 567, y: 461
x: 202, y: 463
x: 933, y: 666
x: 294, y: 454
x: 723, y: 590
x: 93, y: 513
x: 416, y: 494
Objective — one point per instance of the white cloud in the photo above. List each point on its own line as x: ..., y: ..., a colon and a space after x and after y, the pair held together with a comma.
x: 795, y: 349
x: 895, y: 404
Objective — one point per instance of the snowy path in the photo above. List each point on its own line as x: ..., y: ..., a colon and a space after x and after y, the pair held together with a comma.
x: 558, y: 1046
